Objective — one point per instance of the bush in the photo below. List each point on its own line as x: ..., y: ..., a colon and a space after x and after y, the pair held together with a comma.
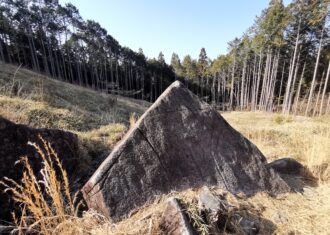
x: 280, y: 119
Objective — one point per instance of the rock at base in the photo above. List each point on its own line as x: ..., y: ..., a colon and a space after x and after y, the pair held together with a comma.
x: 223, y: 217
x: 288, y: 166
x: 174, y: 221
x: 208, y: 201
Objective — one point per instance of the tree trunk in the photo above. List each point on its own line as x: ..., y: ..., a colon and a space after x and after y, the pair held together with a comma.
x: 258, y: 82
x: 328, y: 105
x: 292, y: 90
x: 310, y: 97
x: 243, y: 84
x: 324, y: 89
x: 281, y: 86
x: 318, y: 95
x: 298, y: 92
x: 291, y: 72
x: 232, y: 85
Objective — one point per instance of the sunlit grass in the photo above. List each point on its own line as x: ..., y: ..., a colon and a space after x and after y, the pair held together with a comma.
x: 305, y: 139
x: 45, y: 200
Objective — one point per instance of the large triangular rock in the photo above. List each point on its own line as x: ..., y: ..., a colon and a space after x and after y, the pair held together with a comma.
x: 178, y: 143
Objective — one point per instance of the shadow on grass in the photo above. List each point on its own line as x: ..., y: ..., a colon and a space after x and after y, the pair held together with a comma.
x: 299, y: 181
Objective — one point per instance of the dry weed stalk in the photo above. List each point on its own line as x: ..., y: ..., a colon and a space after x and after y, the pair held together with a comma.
x: 132, y: 119
x: 46, y: 204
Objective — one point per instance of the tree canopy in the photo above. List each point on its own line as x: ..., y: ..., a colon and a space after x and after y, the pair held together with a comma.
x: 281, y: 63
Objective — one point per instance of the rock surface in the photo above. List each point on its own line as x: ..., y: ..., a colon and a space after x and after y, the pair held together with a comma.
x: 6, y: 229
x: 210, y: 207
x: 222, y: 217
x: 178, y: 143
x: 208, y: 201
x: 174, y: 221
x: 287, y: 166
x: 14, y: 144
x: 248, y: 227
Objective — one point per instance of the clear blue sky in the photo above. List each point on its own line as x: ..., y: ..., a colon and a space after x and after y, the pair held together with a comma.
x: 181, y: 26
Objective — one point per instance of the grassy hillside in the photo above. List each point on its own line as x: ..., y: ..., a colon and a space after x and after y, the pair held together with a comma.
x: 99, y: 119
x: 27, y: 97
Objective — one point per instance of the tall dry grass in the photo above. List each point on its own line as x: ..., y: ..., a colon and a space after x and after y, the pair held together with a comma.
x: 46, y: 204
x: 132, y: 119
x: 302, y: 138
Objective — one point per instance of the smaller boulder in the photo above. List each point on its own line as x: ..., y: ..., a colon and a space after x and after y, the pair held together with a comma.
x: 210, y: 207
x: 208, y: 201
x: 248, y: 226
x: 174, y: 221
x: 288, y: 166
x: 222, y: 216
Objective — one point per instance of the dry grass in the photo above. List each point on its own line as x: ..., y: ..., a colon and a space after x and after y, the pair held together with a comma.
x: 96, y: 145
x: 144, y: 222
x: 41, y: 114
x: 107, y: 135
x: 43, y: 102
x: 45, y: 201
x: 305, y: 139
x: 297, y: 213
x: 132, y: 119
x: 46, y: 205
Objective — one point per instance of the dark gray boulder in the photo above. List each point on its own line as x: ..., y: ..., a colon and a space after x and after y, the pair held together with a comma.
x: 287, y: 166
x: 178, y: 143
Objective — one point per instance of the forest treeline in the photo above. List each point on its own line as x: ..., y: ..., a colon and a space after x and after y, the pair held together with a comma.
x: 281, y: 63
x: 53, y: 39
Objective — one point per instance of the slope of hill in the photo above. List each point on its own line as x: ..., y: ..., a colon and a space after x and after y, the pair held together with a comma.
x: 99, y: 119
x: 27, y: 97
